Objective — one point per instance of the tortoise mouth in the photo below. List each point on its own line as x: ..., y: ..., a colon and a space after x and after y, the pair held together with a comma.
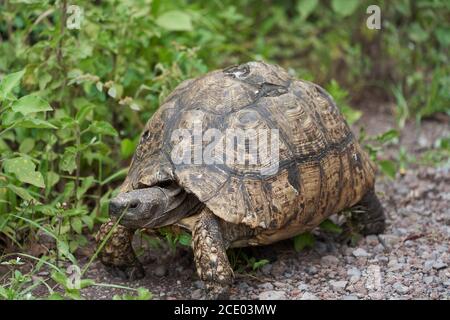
x: 153, y: 207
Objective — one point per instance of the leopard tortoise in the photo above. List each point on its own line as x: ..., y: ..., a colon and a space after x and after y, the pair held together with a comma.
x: 320, y: 170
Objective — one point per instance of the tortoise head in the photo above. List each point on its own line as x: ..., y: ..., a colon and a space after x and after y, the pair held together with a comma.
x: 153, y: 207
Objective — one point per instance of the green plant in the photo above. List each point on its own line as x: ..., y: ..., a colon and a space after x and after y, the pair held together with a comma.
x: 244, y: 263
x: 303, y: 241
x: 175, y: 238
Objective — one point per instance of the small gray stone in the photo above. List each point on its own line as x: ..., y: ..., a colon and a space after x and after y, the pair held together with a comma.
x: 280, y: 284
x: 439, y: 265
x: 196, y: 294
x: 302, y: 287
x: 400, y: 288
x: 350, y: 297
x: 389, y: 240
x: 266, y: 286
x: 360, y: 252
x: 372, y: 240
x: 243, y: 286
x: 199, y: 284
x: 428, y: 265
x: 272, y: 295
x: 428, y: 280
x: 308, y: 296
x: 354, y: 275
x: 266, y: 269
x: 338, y: 285
x: 160, y: 271
x: 311, y: 270
x: 330, y: 260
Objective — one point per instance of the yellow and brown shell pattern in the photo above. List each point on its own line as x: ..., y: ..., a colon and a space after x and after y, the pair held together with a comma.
x: 321, y: 170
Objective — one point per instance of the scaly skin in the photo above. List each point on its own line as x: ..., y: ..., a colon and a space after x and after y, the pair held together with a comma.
x: 372, y: 220
x: 210, y: 256
x: 117, y: 254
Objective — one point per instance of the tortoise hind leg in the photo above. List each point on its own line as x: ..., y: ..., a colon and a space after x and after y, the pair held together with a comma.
x: 369, y: 215
x: 117, y: 255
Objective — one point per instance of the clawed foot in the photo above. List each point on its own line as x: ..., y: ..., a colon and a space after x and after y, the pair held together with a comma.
x: 217, y: 291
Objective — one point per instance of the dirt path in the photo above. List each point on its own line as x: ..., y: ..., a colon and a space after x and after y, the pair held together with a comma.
x: 411, y: 260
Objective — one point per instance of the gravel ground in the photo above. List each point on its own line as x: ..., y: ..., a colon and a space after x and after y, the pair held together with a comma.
x: 411, y: 260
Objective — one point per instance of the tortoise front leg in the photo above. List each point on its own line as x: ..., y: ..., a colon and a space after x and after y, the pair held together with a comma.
x: 117, y: 255
x: 210, y: 255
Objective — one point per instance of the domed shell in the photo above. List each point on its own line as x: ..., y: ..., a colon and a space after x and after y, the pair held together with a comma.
x: 320, y: 169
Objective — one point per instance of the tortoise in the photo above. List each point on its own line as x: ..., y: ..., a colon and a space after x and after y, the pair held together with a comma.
x: 321, y: 169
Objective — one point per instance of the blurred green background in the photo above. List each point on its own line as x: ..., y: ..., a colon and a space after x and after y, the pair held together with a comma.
x: 73, y: 101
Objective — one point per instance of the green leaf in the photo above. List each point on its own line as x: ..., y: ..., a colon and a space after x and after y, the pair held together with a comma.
x: 306, y: 7
x: 27, y: 145
x: 59, y: 278
x: 443, y: 36
x: 387, y: 136
x: 85, y: 185
x: 9, y: 82
x: 84, y: 283
x: 55, y: 296
x: 102, y: 127
x: 77, y: 224
x: 34, y: 123
x: 175, y: 21
x: 68, y: 161
x: 83, y: 112
x: 21, y: 192
x: 88, y: 220
x: 24, y: 170
x: 29, y: 104
x: 52, y: 179
x: 144, y: 294
x: 350, y: 114
x: 388, y: 167
x: 127, y: 148
x: 344, y: 7
x: 259, y: 264
x: 417, y: 34
x: 330, y: 226
x: 185, y: 239
x: 304, y: 240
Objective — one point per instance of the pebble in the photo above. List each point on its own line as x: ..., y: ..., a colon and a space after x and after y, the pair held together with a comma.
x: 199, y: 284
x: 439, y: 265
x: 372, y: 240
x: 428, y: 265
x: 350, y: 297
x: 266, y: 286
x: 354, y: 275
x: 428, y: 280
x: 280, y: 284
x: 272, y: 295
x: 330, y: 260
x: 400, y: 288
x: 302, y: 287
x: 160, y: 271
x: 196, y: 294
x: 266, y: 269
x: 338, y: 285
x: 309, y: 296
x: 360, y: 252
x: 312, y: 270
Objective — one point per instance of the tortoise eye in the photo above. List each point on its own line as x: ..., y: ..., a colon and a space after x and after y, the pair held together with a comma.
x: 145, y: 135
